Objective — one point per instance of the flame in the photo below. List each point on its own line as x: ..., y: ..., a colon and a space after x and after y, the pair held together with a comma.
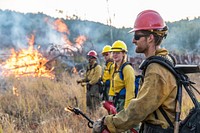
x: 80, y: 40
x: 15, y: 91
x: 74, y: 70
x: 27, y: 62
x: 69, y: 109
x: 68, y: 42
x: 66, y: 109
x: 60, y: 26
x: 38, y: 47
x: 31, y: 40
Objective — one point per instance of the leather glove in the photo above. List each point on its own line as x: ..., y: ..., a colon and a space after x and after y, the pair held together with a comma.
x: 98, y: 126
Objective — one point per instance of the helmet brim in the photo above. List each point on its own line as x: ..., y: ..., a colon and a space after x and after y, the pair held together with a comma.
x: 145, y: 28
x: 131, y: 31
x: 118, y: 50
x: 91, y: 57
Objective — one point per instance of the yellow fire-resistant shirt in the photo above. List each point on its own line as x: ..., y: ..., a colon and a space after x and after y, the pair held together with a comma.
x: 93, y: 74
x: 117, y: 84
x: 106, y: 72
x: 159, y: 88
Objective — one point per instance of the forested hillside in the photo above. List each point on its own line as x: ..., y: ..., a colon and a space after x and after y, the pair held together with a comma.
x: 15, y: 28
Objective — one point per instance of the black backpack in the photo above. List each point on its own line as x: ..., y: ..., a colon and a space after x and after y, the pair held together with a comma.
x: 191, y: 124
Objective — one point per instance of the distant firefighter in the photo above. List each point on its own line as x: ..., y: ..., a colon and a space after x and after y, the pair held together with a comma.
x: 92, y: 81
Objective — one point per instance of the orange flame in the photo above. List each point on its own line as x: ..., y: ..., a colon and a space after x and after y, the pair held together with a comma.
x: 27, y: 62
x: 60, y: 26
x: 68, y: 42
x: 80, y: 40
x: 31, y: 40
x: 74, y: 70
x: 15, y: 91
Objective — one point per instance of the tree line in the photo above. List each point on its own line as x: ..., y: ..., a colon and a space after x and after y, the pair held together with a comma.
x: 183, y: 36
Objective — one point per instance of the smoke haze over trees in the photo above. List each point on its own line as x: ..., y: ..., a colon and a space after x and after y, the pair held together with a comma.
x: 183, y: 36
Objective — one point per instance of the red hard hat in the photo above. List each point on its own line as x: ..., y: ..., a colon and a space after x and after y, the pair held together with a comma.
x: 148, y: 20
x: 92, y: 53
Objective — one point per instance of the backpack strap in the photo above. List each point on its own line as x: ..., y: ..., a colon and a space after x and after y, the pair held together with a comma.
x: 121, y: 75
x: 162, y: 61
x: 110, y: 67
x: 137, y: 79
x: 166, y: 117
x: 137, y: 83
x: 90, y: 68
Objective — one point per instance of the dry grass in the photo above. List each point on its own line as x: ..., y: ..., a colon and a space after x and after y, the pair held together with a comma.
x: 39, y: 106
x: 186, y: 101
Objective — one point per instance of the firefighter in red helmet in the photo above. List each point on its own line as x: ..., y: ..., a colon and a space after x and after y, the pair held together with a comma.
x: 154, y: 106
x: 92, y: 54
x: 91, y: 81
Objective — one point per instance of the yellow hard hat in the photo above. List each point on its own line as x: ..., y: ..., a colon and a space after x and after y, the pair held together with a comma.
x: 119, y: 46
x: 106, y: 49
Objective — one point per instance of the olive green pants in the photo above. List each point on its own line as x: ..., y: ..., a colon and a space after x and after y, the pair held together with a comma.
x: 92, y: 97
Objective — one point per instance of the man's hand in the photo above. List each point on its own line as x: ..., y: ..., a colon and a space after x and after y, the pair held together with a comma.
x: 98, y: 126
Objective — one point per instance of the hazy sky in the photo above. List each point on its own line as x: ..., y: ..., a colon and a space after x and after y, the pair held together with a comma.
x: 121, y: 12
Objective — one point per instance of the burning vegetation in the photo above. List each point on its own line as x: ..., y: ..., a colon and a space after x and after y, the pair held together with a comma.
x: 27, y: 63
x: 31, y: 62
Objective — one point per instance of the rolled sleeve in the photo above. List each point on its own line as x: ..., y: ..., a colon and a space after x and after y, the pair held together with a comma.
x: 109, y: 123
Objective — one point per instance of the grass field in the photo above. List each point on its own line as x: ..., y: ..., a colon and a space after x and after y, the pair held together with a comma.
x: 36, y: 105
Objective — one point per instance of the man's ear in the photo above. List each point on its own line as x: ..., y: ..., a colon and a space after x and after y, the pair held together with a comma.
x: 150, y: 38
